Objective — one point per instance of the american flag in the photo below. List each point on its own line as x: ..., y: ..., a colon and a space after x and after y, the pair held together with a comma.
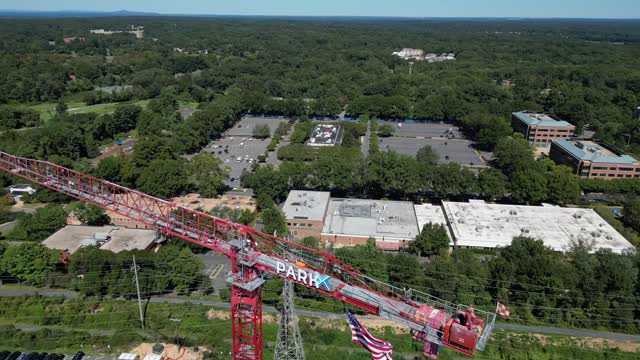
x: 503, y: 310
x: 379, y: 349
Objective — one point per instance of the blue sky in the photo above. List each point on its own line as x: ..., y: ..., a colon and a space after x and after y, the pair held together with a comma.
x: 411, y: 8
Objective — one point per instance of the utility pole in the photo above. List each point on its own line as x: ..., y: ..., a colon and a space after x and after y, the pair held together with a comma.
x: 289, y: 343
x: 410, y: 68
x: 135, y: 278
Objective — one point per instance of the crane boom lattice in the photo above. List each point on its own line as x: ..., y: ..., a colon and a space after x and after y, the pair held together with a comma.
x: 289, y: 341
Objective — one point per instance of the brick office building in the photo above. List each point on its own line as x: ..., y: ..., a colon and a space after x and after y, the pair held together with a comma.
x: 541, y: 129
x: 348, y: 222
x: 592, y: 160
x: 305, y: 212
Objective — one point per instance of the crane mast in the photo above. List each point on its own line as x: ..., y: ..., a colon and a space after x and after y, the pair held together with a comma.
x: 256, y: 256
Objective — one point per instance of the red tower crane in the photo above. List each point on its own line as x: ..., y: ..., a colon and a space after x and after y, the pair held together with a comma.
x: 256, y: 256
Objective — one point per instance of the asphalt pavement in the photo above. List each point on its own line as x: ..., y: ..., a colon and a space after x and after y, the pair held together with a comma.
x: 8, y: 226
x: 324, y: 315
x: 366, y: 139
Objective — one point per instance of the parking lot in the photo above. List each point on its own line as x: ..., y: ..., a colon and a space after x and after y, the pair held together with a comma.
x: 237, y: 153
x: 246, y: 125
x: 450, y: 150
x: 424, y: 130
x: 215, y: 267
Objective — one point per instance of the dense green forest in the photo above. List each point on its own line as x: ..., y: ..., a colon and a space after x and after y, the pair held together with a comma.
x: 586, y: 72
x: 583, y: 71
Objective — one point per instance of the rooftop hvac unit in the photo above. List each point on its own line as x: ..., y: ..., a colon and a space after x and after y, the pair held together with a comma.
x: 102, y: 236
x: 513, y: 212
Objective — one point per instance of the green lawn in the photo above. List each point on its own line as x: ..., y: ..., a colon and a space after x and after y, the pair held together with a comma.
x: 47, y: 110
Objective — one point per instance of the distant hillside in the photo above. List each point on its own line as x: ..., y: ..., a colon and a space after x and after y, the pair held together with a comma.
x: 70, y: 13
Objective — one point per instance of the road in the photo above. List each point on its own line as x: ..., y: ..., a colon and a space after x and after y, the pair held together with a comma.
x: 317, y: 314
x: 32, y: 328
x: 366, y: 140
x: 569, y: 332
x: 8, y: 226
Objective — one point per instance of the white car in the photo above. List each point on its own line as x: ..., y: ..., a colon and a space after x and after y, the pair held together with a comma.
x: 241, y: 144
x: 250, y: 139
x: 227, y: 160
x: 239, y: 159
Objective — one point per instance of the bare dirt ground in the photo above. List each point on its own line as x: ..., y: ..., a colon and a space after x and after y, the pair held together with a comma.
x: 170, y: 352
x: 591, y: 343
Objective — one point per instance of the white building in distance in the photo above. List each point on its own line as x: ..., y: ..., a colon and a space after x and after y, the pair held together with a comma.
x: 138, y: 31
x: 409, y: 53
x: 419, y: 55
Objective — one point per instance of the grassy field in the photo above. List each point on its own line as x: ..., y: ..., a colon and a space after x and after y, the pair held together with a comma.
x: 48, y: 110
x: 61, y: 325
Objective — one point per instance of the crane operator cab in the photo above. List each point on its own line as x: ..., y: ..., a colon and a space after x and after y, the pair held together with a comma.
x: 462, y: 331
x: 459, y: 332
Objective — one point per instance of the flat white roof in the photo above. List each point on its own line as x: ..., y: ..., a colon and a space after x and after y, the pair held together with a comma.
x: 428, y: 213
x: 478, y: 224
x: 306, y: 205
x: 380, y: 219
x: 73, y: 237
